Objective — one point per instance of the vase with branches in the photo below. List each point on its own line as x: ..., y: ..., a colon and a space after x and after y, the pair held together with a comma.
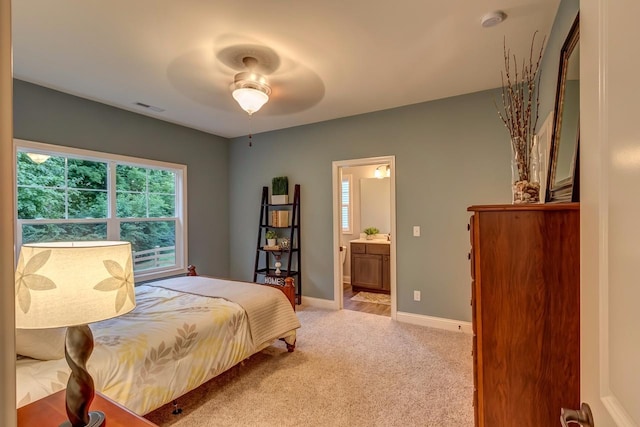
x: 519, y: 113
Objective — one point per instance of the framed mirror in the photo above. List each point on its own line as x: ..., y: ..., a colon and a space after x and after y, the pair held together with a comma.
x: 562, y: 185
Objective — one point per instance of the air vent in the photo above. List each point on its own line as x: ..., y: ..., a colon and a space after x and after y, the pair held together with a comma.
x: 149, y: 107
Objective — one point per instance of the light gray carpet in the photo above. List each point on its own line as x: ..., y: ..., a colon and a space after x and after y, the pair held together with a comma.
x: 349, y: 369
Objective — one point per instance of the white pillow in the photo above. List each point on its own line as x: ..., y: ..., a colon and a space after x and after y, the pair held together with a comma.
x: 41, y: 344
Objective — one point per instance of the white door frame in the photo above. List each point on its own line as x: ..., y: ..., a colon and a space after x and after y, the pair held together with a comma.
x: 7, y: 266
x: 337, y: 229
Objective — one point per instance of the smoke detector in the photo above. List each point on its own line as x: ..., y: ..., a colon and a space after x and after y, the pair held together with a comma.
x: 492, y: 19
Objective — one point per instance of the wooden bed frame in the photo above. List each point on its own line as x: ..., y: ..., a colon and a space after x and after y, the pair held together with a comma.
x: 288, y: 288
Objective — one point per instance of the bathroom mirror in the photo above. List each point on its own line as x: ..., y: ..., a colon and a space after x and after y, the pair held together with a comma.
x: 563, y: 177
x: 375, y: 204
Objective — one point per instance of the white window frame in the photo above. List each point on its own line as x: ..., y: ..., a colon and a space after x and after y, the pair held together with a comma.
x: 349, y: 205
x: 113, y: 222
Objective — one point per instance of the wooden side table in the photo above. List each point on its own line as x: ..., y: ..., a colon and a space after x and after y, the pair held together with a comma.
x: 50, y: 411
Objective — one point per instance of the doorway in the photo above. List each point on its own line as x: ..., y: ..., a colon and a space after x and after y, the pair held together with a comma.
x: 369, y: 175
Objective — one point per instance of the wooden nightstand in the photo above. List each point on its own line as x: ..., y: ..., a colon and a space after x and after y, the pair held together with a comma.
x: 50, y: 411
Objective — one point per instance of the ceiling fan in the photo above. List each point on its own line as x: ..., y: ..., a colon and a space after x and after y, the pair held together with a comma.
x: 263, y: 76
x: 211, y: 78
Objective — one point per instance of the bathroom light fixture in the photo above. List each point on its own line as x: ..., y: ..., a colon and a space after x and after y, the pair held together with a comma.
x: 38, y: 157
x: 250, y: 89
x: 492, y: 19
x: 382, y: 171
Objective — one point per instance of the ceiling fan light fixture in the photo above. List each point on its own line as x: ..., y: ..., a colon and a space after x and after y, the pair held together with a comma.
x: 251, y: 91
x: 250, y: 100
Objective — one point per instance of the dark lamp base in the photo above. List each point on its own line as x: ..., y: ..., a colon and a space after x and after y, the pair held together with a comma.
x: 96, y: 419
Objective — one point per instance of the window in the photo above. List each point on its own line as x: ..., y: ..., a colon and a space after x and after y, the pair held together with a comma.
x: 65, y: 194
x: 345, y: 198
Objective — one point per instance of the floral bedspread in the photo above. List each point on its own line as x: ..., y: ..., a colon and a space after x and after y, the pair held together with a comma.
x: 170, y: 344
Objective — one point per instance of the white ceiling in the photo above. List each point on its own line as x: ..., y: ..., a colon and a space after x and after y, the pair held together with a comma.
x: 325, y: 58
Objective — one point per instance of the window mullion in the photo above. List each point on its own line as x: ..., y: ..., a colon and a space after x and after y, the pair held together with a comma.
x: 66, y: 188
x: 147, y: 192
x: 113, y: 224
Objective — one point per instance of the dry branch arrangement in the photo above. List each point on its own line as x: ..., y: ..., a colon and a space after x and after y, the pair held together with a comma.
x: 519, y: 112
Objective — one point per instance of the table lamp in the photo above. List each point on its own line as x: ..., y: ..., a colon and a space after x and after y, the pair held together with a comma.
x: 72, y: 284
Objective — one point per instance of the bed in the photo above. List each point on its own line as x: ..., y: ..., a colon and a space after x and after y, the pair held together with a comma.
x: 183, y: 332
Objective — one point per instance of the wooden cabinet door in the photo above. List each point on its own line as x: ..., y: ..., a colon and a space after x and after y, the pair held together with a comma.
x: 386, y: 272
x: 366, y: 271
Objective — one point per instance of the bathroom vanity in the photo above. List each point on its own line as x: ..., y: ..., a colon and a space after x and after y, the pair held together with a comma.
x: 370, y: 266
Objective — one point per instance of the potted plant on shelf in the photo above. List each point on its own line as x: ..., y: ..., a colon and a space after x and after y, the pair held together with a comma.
x: 271, y: 237
x: 371, y: 232
x: 280, y: 190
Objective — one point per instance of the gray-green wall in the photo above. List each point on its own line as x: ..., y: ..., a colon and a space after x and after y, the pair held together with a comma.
x: 450, y: 154
x: 48, y: 116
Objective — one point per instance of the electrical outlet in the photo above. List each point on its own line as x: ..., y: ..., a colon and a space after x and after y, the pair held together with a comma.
x: 416, y: 295
x: 416, y: 231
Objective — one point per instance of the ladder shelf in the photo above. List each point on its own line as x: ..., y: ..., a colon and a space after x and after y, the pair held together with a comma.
x: 265, y: 268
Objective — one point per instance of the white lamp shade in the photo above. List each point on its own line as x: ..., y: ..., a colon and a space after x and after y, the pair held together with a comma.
x: 73, y: 283
x: 250, y: 99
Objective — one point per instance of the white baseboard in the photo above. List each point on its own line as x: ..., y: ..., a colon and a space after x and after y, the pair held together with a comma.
x: 414, y: 319
x: 326, y: 304
x: 435, y: 322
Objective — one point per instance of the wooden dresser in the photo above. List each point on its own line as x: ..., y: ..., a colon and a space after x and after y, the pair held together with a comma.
x: 525, y: 272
